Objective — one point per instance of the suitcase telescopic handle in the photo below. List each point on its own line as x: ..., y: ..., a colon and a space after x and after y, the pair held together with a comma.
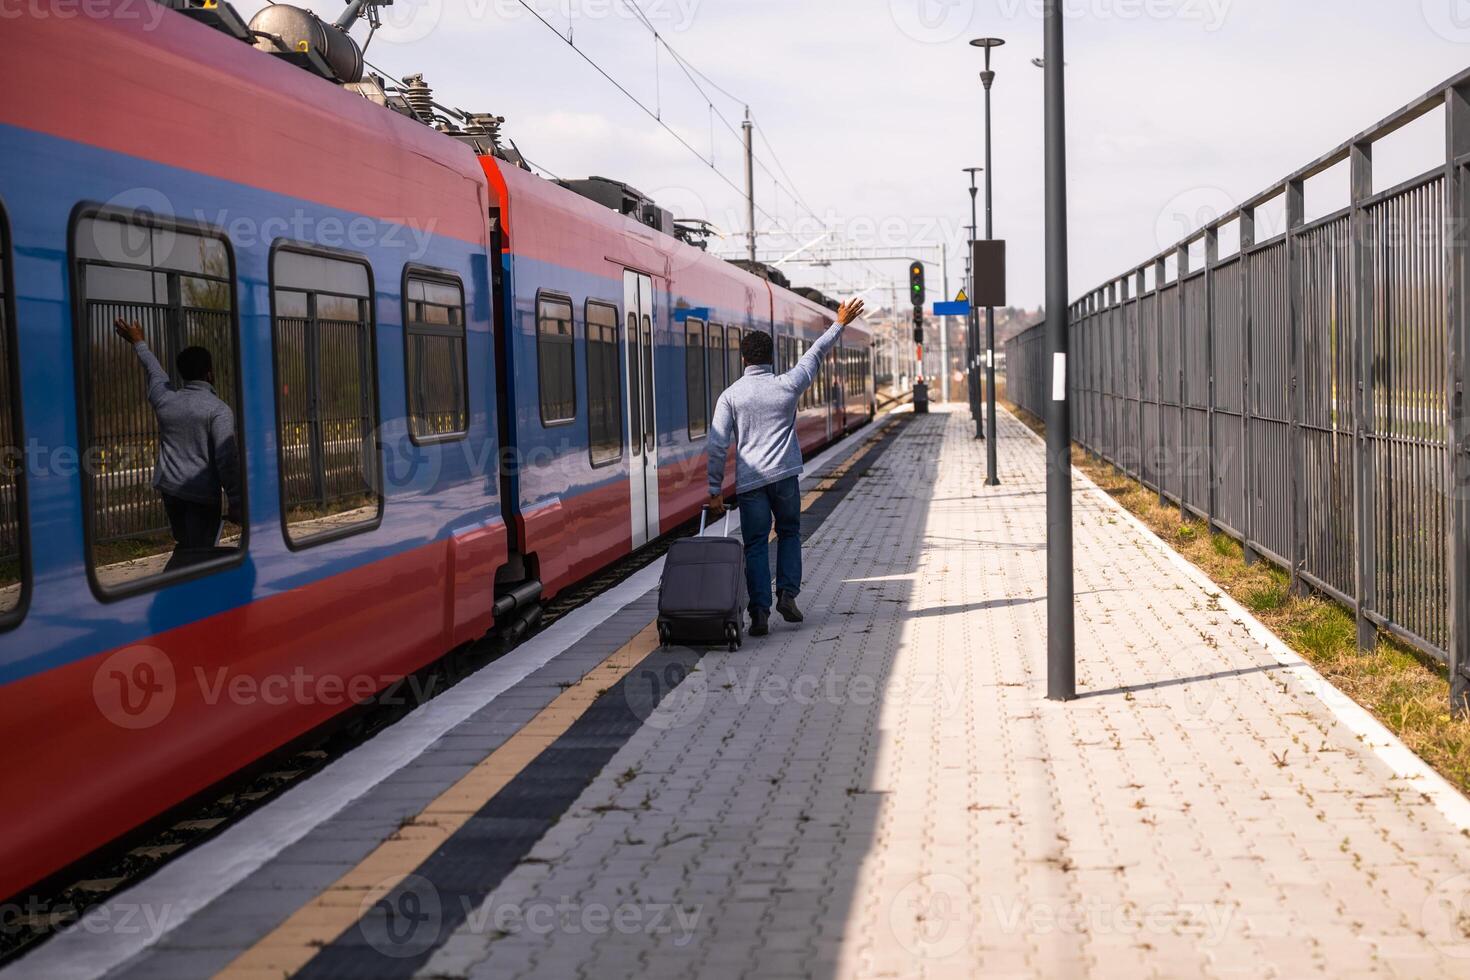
x: 704, y: 517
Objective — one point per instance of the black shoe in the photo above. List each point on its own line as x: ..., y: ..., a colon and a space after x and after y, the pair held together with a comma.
x: 760, y: 622
x: 786, y: 606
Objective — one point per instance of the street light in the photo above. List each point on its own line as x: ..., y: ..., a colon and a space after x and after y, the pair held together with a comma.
x: 987, y: 78
x: 971, y: 324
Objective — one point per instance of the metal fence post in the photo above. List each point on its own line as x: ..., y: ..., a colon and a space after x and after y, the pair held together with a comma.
x: 1212, y: 256
x: 1457, y: 157
x: 1360, y: 260
x: 1136, y: 352
x: 1247, y: 522
x: 1181, y: 269
x: 1115, y: 364
x: 315, y: 434
x: 1158, y: 333
x: 1098, y: 373
x: 1295, y: 218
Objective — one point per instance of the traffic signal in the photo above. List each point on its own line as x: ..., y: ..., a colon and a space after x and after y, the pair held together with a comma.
x: 919, y: 318
x: 916, y: 284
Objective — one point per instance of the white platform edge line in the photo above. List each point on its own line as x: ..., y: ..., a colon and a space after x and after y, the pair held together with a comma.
x: 166, y: 900
x: 1399, y: 758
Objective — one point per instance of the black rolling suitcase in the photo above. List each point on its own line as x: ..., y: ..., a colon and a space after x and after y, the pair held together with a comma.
x: 701, y: 598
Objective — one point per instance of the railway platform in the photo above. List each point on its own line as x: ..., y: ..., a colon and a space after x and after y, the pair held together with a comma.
x: 882, y: 791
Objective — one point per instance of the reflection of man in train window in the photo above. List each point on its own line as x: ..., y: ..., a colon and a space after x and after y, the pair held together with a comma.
x: 197, y: 458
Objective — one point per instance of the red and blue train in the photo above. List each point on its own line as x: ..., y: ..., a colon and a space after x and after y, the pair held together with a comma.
x: 459, y: 389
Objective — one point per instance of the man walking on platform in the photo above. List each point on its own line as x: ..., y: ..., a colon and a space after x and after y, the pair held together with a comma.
x: 759, y: 412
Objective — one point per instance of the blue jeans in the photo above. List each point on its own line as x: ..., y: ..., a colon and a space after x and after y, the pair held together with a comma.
x: 782, y: 501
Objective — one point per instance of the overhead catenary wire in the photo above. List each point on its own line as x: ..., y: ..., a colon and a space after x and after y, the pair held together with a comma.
x: 651, y: 113
x: 690, y: 72
x: 700, y: 81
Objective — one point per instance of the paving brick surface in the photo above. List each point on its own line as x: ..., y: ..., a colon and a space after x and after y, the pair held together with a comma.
x: 885, y: 791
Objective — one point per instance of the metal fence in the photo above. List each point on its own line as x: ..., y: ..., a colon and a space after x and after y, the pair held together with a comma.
x: 326, y: 408
x: 1303, y: 393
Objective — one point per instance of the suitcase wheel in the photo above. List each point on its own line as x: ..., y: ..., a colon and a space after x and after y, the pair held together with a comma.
x: 732, y: 636
x: 663, y: 635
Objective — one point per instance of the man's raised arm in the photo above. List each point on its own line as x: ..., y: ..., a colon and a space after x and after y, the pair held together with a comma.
x: 806, y: 369
x: 158, y: 388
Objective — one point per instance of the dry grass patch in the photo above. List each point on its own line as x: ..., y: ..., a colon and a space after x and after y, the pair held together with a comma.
x: 1407, y: 691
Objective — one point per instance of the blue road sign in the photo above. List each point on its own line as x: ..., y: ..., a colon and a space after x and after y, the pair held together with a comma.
x: 952, y: 309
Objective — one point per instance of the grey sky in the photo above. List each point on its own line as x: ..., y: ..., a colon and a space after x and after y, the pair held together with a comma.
x: 1176, y: 107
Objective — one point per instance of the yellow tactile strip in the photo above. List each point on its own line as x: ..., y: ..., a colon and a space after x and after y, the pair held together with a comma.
x: 290, y: 945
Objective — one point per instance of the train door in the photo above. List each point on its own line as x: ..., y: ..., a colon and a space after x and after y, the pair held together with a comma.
x: 642, y: 428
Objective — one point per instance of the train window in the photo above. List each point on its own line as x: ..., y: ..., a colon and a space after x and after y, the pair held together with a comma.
x: 694, y: 377
x: 732, y: 351
x: 717, y: 382
x: 818, y: 382
x: 794, y: 355
x: 806, y: 396
x: 650, y: 417
x: 12, y: 525
x: 326, y: 398
x: 156, y: 336
x: 556, y: 357
x: 635, y: 402
x: 604, y: 387
x: 434, y: 357
x: 815, y: 388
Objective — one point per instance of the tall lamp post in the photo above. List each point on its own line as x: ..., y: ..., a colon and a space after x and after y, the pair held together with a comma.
x: 1061, y: 650
x: 972, y: 324
x: 987, y: 77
